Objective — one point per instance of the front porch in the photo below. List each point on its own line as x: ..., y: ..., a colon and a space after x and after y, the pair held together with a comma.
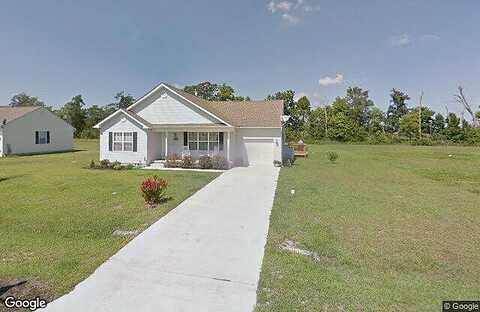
x: 195, y: 142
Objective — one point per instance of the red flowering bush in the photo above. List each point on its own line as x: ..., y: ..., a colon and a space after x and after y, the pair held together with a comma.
x: 153, y: 190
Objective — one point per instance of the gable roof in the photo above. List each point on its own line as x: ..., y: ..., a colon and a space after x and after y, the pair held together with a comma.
x: 261, y: 114
x: 240, y: 113
x: 9, y: 114
x: 134, y: 116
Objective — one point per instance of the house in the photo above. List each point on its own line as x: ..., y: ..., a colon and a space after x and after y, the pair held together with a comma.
x: 168, y: 121
x: 32, y: 130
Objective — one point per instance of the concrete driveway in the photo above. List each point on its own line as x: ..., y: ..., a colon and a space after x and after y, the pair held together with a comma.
x: 205, y: 255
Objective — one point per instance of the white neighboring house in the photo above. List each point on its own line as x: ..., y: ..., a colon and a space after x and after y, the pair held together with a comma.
x: 168, y: 121
x: 33, y: 130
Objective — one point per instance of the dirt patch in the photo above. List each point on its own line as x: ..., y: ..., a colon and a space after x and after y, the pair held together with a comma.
x: 22, y: 289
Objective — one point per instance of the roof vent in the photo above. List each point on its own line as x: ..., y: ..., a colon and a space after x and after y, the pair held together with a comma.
x: 4, y: 122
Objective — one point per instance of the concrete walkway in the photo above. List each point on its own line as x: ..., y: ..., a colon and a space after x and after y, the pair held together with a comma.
x: 205, y: 255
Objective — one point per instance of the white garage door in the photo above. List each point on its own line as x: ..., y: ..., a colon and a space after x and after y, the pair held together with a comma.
x: 259, y: 151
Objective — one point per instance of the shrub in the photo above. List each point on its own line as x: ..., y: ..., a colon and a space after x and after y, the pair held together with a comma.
x: 92, y: 164
x: 117, y: 165
x: 219, y: 162
x: 332, y: 156
x: 187, y: 161
x: 423, y: 141
x: 105, y: 164
x: 173, y: 161
x: 288, y: 162
x: 205, y: 162
x: 153, y: 190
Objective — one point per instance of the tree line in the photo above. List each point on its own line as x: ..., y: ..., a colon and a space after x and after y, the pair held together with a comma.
x: 353, y: 117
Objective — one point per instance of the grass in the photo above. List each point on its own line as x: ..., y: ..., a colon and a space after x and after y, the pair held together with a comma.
x: 397, y: 228
x: 57, y: 217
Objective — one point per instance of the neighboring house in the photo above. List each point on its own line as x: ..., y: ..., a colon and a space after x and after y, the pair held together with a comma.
x: 33, y: 130
x: 169, y: 121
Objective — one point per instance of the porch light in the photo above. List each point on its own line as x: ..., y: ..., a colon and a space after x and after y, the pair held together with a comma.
x: 175, y: 136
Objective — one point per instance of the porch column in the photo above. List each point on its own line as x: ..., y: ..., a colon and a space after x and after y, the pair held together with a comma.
x: 228, y: 147
x: 166, y: 144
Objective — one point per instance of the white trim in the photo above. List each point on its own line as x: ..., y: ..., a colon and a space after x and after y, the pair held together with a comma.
x: 166, y: 144
x: 259, y: 127
x: 173, y: 91
x: 228, y: 148
x: 260, y: 138
x: 97, y: 126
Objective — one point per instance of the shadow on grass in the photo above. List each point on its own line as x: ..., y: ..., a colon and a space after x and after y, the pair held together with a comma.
x: 2, y: 179
x: 47, y: 153
x: 162, y: 201
x: 4, y: 289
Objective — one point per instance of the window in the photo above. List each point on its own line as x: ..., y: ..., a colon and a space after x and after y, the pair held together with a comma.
x: 213, y: 141
x: 128, y: 141
x: 117, y: 141
x: 123, y: 141
x: 193, y: 141
x: 205, y: 141
x: 42, y: 137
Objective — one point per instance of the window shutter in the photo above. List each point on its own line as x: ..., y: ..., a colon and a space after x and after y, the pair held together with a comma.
x: 134, y: 141
x: 220, y: 141
x: 36, y: 137
x: 48, y: 137
x: 185, y: 139
x: 110, y: 142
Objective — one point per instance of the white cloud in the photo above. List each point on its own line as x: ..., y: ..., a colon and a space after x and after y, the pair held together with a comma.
x: 292, y: 19
x: 291, y: 11
x: 329, y: 81
x: 299, y: 95
x: 402, y: 40
x: 282, y: 6
x: 430, y: 37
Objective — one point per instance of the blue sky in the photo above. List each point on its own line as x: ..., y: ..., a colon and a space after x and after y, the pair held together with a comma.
x: 57, y: 49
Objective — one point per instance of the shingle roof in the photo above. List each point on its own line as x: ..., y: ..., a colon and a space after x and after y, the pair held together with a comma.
x: 240, y: 113
x: 8, y: 113
x: 138, y: 118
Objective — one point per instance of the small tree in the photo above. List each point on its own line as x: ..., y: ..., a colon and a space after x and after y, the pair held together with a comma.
x: 409, y: 125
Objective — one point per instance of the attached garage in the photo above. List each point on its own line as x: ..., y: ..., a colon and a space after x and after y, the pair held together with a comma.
x: 254, y: 146
x: 259, y: 151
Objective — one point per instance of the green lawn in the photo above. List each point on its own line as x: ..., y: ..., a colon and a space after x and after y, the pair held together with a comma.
x: 397, y: 228
x: 57, y: 217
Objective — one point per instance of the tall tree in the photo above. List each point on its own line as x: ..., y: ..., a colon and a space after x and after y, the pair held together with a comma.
x: 462, y: 99
x: 453, y: 131
x: 376, y: 121
x: 342, y: 125
x: 426, y: 119
x: 206, y: 90
x: 303, y: 109
x: 73, y: 113
x: 438, y: 124
x: 22, y: 99
x: 288, y: 107
x: 360, y: 104
x: 214, y: 92
x: 409, y: 125
x: 122, y: 100
x: 316, y: 123
x: 396, y: 110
